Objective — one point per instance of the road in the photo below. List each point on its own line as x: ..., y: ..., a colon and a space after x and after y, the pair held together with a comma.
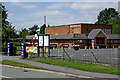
x: 19, y: 73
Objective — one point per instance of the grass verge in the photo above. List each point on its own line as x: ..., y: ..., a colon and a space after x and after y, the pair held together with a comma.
x: 80, y: 65
x: 14, y: 63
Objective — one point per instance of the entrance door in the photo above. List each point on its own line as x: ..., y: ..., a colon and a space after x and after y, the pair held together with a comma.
x: 89, y: 43
x: 100, y: 41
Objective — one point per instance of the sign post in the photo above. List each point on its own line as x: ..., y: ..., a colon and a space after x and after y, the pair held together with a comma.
x: 43, y: 41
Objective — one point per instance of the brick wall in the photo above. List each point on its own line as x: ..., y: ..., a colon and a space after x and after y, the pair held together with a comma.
x: 87, y: 28
x: 57, y: 30
x: 75, y: 28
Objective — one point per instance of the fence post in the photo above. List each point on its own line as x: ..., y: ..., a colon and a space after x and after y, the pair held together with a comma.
x: 63, y: 53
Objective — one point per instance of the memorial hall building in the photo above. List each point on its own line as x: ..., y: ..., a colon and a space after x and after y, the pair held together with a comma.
x: 90, y: 35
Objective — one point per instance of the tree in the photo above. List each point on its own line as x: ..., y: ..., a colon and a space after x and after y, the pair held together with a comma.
x: 8, y: 30
x: 115, y: 22
x: 24, y: 32
x: 33, y: 30
x: 42, y: 29
x: 106, y: 15
x: 49, y: 25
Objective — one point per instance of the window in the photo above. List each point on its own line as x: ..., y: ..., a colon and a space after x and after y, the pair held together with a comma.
x: 107, y: 31
x: 108, y: 41
x: 87, y: 29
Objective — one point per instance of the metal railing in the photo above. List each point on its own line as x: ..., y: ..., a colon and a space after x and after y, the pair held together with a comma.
x: 102, y: 56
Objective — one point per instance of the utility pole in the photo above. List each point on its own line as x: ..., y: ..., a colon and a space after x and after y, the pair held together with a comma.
x: 45, y: 20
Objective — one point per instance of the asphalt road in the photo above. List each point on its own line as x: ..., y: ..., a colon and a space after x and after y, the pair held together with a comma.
x: 19, y: 73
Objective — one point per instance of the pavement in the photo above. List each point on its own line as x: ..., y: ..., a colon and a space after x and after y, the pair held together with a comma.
x: 61, y: 69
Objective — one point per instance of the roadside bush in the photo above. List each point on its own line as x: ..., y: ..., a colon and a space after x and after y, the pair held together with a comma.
x: 14, y: 50
x: 16, y: 43
x: 4, y: 48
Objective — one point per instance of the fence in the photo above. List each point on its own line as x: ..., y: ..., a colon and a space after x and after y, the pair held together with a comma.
x: 102, y: 56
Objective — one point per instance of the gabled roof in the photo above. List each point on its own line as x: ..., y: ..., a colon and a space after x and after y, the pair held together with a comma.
x: 80, y: 36
x: 94, y: 33
x: 113, y: 36
x: 69, y: 36
x: 62, y: 36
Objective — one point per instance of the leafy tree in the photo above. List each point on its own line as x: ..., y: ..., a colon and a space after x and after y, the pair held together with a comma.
x: 33, y: 30
x: 49, y: 25
x: 24, y: 32
x: 106, y: 15
x: 115, y: 22
x: 42, y: 29
x: 8, y: 31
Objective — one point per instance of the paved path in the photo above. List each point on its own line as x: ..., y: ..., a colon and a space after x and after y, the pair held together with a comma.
x: 60, y: 69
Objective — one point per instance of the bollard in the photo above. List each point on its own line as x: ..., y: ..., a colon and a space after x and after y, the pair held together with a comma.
x: 113, y: 46
x: 53, y: 47
x: 22, y: 55
x: 85, y: 47
x: 97, y: 47
x: 89, y: 47
x: 8, y: 48
x: 118, y: 46
x: 23, y: 51
x: 106, y: 46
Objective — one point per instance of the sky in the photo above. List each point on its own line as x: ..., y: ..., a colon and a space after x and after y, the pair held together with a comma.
x: 27, y: 14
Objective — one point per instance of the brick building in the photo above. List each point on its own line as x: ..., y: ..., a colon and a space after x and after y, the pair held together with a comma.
x: 77, y: 29
x: 82, y: 35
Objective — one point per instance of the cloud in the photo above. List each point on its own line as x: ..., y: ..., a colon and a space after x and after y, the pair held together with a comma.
x: 59, y: 0
x: 38, y: 15
x: 88, y: 12
x: 51, y: 20
x: 93, y: 5
x: 58, y: 5
x: 27, y: 24
x: 26, y: 6
x: 10, y: 14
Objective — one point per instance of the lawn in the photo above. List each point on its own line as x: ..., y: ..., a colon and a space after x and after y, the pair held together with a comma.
x: 80, y: 65
x: 14, y: 63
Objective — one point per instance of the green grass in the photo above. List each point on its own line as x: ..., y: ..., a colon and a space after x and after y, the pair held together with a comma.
x: 80, y: 65
x: 14, y: 63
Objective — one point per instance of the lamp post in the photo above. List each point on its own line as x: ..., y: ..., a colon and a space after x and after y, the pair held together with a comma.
x: 36, y: 37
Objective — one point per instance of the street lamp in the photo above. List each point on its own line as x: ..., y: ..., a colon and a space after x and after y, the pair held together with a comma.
x: 36, y: 37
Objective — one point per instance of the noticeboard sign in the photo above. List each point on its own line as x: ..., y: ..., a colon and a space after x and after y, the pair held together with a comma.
x: 46, y: 40
x: 40, y: 40
x: 43, y: 40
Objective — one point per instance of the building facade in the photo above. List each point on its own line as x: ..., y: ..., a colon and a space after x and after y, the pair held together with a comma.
x: 77, y: 29
x: 90, y: 35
